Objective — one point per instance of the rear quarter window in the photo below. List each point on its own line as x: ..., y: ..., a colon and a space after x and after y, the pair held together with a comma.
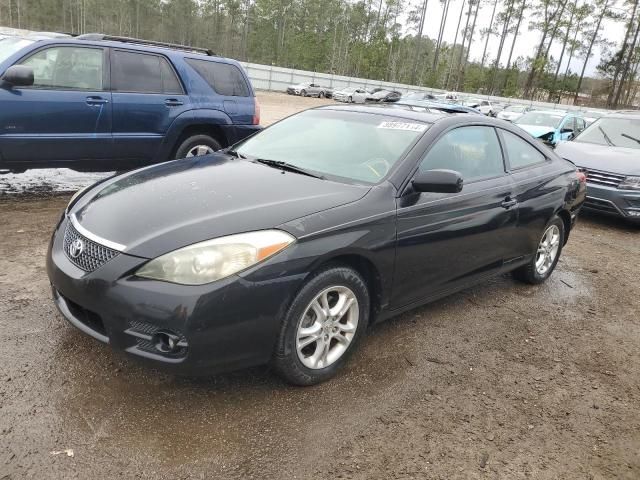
x: 225, y: 79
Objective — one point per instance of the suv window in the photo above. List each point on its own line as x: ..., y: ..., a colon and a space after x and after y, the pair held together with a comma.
x: 142, y: 73
x: 521, y: 154
x: 472, y: 151
x: 225, y: 79
x: 77, y: 68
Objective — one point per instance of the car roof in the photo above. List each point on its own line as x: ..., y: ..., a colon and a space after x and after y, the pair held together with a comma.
x: 389, y: 111
x: 141, y: 47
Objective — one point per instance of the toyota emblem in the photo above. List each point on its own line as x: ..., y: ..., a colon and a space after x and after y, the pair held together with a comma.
x: 76, y: 248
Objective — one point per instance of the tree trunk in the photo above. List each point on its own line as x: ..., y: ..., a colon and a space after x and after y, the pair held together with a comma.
x: 443, y: 22
x: 419, y: 43
x: 564, y: 46
x: 627, y: 64
x: 503, y: 36
x: 513, y: 44
x: 464, y: 38
x: 616, y: 73
x: 591, y: 43
x: 466, y: 58
x: 486, y: 42
x: 453, y: 48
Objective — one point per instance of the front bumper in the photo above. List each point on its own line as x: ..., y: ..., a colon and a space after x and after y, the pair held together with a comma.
x: 225, y: 325
x: 613, y: 201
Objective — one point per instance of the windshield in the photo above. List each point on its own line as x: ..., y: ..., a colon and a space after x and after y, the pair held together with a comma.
x: 415, y: 96
x: 9, y: 46
x: 355, y: 146
x: 615, y: 132
x: 541, y: 118
x: 514, y: 108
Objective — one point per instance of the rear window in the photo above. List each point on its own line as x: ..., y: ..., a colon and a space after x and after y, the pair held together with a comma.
x: 225, y: 79
x: 142, y: 73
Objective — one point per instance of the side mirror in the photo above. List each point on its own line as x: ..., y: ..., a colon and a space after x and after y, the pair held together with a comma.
x: 19, y: 76
x: 438, y: 181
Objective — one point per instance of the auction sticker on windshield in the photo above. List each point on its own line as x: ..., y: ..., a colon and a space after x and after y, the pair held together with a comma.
x: 412, y: 127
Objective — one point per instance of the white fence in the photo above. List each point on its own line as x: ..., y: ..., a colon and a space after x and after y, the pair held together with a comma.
x: 265, y: 77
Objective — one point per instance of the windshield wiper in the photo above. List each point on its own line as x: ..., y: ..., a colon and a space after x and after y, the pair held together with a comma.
x: 626, y: 135
x: 288, y: 166
x: 606, y: 137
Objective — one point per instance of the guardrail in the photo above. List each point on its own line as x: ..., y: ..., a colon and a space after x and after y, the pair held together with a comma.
x: 276, y: 79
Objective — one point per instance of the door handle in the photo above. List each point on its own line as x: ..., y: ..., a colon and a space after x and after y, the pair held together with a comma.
x: 96, y: 101
x: 509, y: 202
x: 173, y: 102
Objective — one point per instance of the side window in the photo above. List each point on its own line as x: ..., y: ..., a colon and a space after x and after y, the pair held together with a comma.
x: 521, y: 154
x: 472, y: 151
x: 223, y: 78
x: 142, y: 73
x: 70, y: 68
x: 581, y: 125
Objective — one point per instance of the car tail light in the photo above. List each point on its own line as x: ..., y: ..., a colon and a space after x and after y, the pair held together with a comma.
x: 256, y: 114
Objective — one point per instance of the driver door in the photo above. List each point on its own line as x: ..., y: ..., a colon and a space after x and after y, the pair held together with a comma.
x: 448, y: 240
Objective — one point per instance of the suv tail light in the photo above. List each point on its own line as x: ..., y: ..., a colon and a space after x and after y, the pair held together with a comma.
x: 256, y: 114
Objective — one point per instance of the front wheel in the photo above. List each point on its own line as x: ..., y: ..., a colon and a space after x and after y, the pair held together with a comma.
x: 303, y: 93
x: 321, y: 95
x: 323, y: 325
x: 546, y: 257
x: 350, y: 100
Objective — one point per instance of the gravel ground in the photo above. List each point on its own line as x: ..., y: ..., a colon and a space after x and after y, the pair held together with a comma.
x: 500, y: 381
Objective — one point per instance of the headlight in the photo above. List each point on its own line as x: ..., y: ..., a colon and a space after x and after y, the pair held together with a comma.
x: 630, y: 183
x: 213, y: 260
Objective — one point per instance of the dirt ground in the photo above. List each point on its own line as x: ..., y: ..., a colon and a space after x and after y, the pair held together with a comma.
x: 500, y: 381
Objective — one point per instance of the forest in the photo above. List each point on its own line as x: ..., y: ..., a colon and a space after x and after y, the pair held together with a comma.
x: 386, y: 39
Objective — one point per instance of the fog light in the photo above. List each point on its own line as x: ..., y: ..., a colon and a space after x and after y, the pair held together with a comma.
x: 633, y: 213
x: 166, y: 341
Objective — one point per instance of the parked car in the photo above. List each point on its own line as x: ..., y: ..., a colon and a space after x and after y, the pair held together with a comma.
x: 309, y: 90
x: 608, y: 151
x: 418, y: 96
x: 551, y: 126
x: 351, y: 95
x: 512, y: 113
x: 483, y: 106
x: 286, y: 247
x: 101, y: 103
x: 433, y: 106
x: 383, y: 95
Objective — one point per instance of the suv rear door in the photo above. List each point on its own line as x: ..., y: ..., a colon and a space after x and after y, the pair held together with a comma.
x: 66, y: 115
x: 231, y: 91
x: 147, y: 97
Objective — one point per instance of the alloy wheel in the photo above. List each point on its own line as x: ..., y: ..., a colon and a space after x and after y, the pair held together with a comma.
x: 199, y: 150
x: 327, y: 327
x: 548, y: 250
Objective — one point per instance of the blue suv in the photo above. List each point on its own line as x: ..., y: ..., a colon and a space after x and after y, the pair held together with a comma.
x: 101, y: 103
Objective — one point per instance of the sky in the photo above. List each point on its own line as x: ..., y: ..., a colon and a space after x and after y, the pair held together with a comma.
x: 527, y: 40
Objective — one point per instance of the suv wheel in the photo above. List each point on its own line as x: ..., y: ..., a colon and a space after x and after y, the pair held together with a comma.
x: 322, y: 326
x: 196, y: 146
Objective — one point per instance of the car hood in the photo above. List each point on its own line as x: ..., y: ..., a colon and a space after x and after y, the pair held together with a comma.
x: 168, y: 206
x: 536, y: 130
x: 625, y: 161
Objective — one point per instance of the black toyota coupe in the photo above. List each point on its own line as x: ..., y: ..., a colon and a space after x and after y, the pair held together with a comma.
x: 287, y: 246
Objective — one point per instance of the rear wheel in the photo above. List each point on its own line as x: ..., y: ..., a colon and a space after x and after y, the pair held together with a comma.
x: 196, y: 146
x: 350, y: 100
x: 322, y: 326
x: 546, y: 258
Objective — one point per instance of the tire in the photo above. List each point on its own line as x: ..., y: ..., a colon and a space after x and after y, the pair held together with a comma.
x: 532, y: 272
x: 333, y: 282
x: 350, y: 100
x: 321, y: 95
x: 303, y: 93
x: 191, y: 143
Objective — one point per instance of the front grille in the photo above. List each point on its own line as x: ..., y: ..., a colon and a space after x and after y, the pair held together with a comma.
x: 601, y: 205
x: 599, y: 177
x: 92, y: 255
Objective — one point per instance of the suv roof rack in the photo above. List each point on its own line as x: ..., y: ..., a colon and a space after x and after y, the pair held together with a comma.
x: 138, y: 41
